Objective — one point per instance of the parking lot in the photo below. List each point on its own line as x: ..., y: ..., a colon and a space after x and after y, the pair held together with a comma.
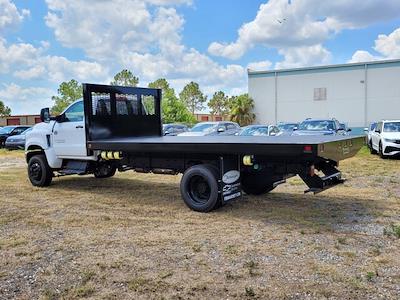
x: 131, y: 236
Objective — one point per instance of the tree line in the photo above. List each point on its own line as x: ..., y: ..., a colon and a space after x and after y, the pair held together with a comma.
x: 175, y: 108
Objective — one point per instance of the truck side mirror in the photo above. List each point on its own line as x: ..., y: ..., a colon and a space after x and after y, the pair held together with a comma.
x: 45, y: 115
x: 60, y: 118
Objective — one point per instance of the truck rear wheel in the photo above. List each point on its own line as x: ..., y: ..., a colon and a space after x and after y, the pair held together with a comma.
x: 39, y: 171
x: 199, y: 188
x: 104, y: 170
x: 257, y: 183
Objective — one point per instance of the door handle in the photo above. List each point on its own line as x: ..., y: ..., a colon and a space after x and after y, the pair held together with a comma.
x: 79, y: 126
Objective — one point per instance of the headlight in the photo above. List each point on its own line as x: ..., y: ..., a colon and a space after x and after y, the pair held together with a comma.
x: 390, y: 140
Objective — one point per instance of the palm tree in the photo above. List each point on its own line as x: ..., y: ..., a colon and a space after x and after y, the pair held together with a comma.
x: 242, y: 110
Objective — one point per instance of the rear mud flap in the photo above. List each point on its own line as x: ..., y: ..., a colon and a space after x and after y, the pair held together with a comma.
x: 229, y: 181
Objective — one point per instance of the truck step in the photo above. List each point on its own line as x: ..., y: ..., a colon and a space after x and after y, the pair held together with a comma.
x: 75, y: 167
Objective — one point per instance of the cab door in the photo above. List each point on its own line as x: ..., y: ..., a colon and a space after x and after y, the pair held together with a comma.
x: 69, y: 138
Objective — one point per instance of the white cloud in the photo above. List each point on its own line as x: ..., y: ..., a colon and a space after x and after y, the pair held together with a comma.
x: 147, y: 41
x: 30, y: 62
x: 362, y: 56
x: 9, y: 14
x: 259, y: 65
x: 297, y: 57
x: 299, y: 28
x: 25, y: 100
x: 389, y: 45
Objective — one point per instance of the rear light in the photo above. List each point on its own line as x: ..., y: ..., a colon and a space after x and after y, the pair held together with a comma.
x: 307, y: 149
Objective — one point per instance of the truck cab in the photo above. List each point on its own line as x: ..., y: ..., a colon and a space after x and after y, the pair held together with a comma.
x: 62, y: 137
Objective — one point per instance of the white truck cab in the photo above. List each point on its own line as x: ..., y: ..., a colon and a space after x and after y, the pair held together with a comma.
x: 385, y: 138
x: 59, y: 144
x: 61, y: 138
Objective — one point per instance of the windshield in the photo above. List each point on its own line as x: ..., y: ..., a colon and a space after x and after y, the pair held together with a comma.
x: 201, y: 127
x: 373, y: 125
x: 26, y: 131
x: 287, y: 127
x: 317, y: 125
x: 255, y: 131
x: 6, y: 130
x: 391, y: 127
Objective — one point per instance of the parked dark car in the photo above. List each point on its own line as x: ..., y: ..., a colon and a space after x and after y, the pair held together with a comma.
x: 287, y: 128
x: 15, y: 142
x: 213, y: 128
x: 260, y: 130
x: 320, y: 127
x: 345, y: 127
x: 7, y: 131
x: 174, y: 129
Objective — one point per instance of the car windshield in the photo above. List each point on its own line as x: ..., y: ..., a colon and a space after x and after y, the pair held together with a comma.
x: 287, y: 127
x: 317, y: 125
x: 202, y: 127
x: 26, y: 131
x: 254, y: 131
x: 6, y: 130
x: 391, y: 127
x: 373, y: 125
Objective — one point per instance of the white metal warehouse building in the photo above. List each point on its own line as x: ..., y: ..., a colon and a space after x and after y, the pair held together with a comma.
x: 356, y: 94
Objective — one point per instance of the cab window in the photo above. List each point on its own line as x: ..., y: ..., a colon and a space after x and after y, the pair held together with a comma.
x: 74, y: 113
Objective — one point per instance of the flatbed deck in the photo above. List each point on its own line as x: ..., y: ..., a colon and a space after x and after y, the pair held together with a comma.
x: 330, y: 147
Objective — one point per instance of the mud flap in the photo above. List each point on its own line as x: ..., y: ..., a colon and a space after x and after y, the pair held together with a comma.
x: 229, y: 178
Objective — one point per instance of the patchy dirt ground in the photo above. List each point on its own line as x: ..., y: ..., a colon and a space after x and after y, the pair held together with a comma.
x: 132, y: 237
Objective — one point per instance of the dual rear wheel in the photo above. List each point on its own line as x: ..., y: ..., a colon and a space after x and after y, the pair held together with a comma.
x: 200, y: 188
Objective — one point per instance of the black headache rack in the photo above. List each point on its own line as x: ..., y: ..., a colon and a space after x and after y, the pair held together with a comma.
x: 118, y: 112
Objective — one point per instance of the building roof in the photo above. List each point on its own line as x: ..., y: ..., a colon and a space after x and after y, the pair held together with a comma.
x: 358, y: 65
x: 19, y: 116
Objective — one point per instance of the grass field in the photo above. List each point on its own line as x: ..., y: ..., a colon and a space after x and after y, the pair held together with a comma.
x: 131, y: 236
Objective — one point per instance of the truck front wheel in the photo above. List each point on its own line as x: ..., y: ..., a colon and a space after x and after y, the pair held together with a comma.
x: 199, y: 188
x: 39, y: 171
x: 257, y: 183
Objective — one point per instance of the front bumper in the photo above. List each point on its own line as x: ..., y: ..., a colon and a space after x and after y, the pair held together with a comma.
x: 14, y: 145
x: 391, y: 148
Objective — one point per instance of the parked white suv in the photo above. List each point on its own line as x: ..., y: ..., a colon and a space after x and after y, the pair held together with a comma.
x: 385, y: 139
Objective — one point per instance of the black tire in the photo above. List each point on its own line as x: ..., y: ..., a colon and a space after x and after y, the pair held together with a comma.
x: 199, y: 188
x: 39, y: 172
x: 381, y: 154
x: 371, y: 149
x: 104, y: 170
x: 257, y: 183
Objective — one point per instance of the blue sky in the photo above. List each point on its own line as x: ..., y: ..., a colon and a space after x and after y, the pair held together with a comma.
x: 45, y: 42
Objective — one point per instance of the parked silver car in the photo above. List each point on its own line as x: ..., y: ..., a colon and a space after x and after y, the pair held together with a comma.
x: 213, y: 128
x: 260, y: 130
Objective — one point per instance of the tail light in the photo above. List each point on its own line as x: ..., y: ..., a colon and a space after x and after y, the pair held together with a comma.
x: 307, y: 149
